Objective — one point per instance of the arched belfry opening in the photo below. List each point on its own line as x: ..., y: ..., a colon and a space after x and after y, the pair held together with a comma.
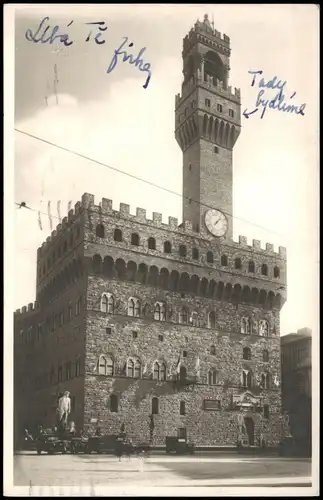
x: 189, y: 68
x: 214, y: 67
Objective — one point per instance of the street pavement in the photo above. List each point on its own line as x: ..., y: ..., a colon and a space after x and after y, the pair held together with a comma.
x: 161, y: 471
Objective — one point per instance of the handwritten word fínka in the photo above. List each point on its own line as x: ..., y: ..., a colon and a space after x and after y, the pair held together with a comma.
x: 46, y: 34
x: 278, y: 102
x: 137, y: 61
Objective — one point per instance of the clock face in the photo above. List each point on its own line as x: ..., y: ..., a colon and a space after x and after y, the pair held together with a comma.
x: 216, y: 222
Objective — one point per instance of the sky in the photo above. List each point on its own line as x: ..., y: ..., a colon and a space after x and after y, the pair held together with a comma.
x: 113, y: 119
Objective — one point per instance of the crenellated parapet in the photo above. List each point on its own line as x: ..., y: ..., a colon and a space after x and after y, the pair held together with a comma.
x: 212, y: 84
x: 204, y: 33
x: 32, y: 307
x: 185, y: 228
x: 268, y: 249
x: 67, y: 222
x: 105, y: 208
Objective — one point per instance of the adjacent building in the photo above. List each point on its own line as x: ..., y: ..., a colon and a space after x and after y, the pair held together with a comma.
x: 171, y: 329
x: 296, y: 352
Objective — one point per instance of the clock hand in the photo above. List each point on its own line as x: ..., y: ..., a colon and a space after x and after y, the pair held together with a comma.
x: 215, y: 223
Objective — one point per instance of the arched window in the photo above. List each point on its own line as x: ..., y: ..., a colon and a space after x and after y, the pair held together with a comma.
x: 265, y: 380
x: 117, y: 236
x: 99, y: 231
x: 159, y: 371
x: 212, y: 377
x: 212, y: 350
x: 182, y: 251
x: 224, y: 260
x: 151, y: 243
x: 134, y: 307
x: 157, y: 312
x: 264, y: 270
x: 137, y: 370
x: 77, y: 367
x: 209, y: 257
x: 182, y: 408
x: 246, y: 379
x: 195, y: 253
x: 97, y: 263
x: 107, y: 303
x: 211, y: 319
x: 68, y: 370
x: 110, y: 366
x: 160, y: 311
x: 135, y: 239
x: 237, y: 263
x: 251, y: 266
x: 194, y: 319
x: 156, y: 371
x: 265, y: 355
x: 276, y: 272
x: 114, y: 403
x: 162, y: 371
x: 246, y: 326
x: 130, y: 368
x: 154, y: 406
x: 167, y: 247
x: 263, y: 328
x: 106, y: 366
x: 247, y: 353
x: 183, y: 316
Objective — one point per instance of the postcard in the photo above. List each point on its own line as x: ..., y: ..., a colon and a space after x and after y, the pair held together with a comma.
x: 161, y: 223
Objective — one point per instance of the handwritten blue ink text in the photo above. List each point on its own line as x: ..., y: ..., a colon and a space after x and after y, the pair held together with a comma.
x: 278, y: 102
x: 98, y: 35
x: 137, y: 61
x: 46, y: 34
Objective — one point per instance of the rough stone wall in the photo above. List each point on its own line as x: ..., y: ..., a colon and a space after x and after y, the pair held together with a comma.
x: 215, y: 180
x: 203, y: 427
x: 203, y: 241
x: 53, y: 348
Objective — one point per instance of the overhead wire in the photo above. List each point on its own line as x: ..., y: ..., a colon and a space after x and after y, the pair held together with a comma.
x: 141, y: 180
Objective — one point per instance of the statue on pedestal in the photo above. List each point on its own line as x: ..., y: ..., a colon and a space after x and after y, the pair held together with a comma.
x: 64, y: 408
x: 242, y: 432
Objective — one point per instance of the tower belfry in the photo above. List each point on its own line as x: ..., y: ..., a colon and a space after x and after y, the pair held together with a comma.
x: 207, y: 125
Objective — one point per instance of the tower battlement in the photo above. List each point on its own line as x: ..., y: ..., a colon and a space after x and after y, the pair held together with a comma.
x: 67, y: 222
x: 104, y: 208
x: 32, y: 306
x: 205, y: 33
x: 212, y: 84
x: 206, y: 28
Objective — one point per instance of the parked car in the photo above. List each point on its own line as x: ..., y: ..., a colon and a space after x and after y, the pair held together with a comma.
x: 179, y: 445
x: 102, y: 444
x: 51, y: 443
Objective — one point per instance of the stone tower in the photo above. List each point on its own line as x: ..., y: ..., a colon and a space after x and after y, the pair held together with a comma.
x: 207, y: 125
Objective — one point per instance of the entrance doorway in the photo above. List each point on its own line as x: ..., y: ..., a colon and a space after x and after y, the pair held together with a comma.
x: 250, y: 426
